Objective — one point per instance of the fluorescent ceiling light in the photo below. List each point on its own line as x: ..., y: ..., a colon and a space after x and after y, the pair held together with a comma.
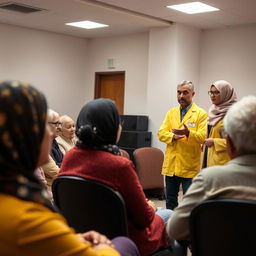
x: 193, y: 7
x: 86, y: 24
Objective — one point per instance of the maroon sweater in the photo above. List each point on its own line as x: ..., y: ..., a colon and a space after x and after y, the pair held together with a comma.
x: 146, y: 228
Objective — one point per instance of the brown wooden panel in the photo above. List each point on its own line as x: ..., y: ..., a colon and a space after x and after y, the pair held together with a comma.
x: 111, y: 86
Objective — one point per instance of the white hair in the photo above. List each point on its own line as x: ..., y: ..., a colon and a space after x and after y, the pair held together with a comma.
x: 240, y: 125
x: 65, y: 118
x: 186, y: 82
x: 52, y: 115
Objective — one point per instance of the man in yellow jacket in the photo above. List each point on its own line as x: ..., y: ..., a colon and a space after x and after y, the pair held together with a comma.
x: 183, y: 130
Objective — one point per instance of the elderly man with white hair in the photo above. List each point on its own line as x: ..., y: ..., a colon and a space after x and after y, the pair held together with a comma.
x: 235, y: 179
x: 66, y: 139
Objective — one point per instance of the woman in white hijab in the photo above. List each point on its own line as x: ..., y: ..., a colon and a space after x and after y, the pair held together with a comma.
x: 222, y: 95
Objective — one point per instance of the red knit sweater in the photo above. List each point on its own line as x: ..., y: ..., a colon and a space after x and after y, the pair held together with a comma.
x: 146, y: 228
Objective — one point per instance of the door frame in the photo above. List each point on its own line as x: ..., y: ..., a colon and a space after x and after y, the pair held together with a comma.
x: 97, y: 80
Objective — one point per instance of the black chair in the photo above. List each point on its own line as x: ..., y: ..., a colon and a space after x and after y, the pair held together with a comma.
x: 90, y: 205
x: 222, y: 227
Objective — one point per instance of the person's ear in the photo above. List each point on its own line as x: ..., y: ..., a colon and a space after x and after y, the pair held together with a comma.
x: 231, y: 147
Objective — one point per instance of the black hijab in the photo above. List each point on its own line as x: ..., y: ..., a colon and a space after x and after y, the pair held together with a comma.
x: 97, y: 125
x: 22, y: 125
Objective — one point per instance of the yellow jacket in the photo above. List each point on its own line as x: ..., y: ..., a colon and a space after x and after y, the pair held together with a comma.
x: 217, y: 154
x: 28, y: 228
x: 182, y: 157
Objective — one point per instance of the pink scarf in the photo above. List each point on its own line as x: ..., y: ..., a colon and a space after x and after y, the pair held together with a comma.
x: 228, y: 97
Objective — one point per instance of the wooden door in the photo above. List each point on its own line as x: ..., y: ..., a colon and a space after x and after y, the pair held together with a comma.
x: 111, y: 85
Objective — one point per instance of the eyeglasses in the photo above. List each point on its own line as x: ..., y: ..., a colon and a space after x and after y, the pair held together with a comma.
x: 211, y: 93
x: 55, y: 123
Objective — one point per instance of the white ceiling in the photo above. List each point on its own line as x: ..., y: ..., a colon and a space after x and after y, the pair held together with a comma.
x: 125, y: 16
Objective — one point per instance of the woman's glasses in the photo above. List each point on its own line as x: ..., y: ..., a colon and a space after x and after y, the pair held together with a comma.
x: 211, y: 93
x: 55, y: 123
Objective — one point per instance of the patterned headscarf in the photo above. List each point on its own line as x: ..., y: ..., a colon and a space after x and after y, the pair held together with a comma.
x: 23, y: 111
x: 228, y: 97
x: 97, y: 125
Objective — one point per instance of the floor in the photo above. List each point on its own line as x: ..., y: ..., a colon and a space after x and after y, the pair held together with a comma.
x: 157, y: 201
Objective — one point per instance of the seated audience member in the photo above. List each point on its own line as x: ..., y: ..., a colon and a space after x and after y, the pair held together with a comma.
x: 66, y: 138
x: 235, y: 179
x: 29, y: 225
x: 97, y: 157
x: 55, y: 124
x: 52, y: 168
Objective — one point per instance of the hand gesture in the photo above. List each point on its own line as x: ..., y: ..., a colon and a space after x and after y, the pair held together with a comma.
x: 184, y: 131
x: 177, y: 137
x: 209, y: 142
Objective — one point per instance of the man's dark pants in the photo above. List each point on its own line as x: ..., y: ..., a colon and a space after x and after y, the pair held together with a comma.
x: 172, y: 189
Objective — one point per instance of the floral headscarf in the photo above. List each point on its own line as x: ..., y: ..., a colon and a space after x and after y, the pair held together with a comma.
x: 22, y: 125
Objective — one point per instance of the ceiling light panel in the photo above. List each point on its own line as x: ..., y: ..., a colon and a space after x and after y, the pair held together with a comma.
x: 193, y: 7
x: 86, y: 24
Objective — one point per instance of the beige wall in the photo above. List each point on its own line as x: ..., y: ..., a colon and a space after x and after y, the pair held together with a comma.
x: 54, y: 63
x: 63, y: 67
x: 228, y: 54
x: 154, y: 63
x: 131, y: 55
x: 173, y: 56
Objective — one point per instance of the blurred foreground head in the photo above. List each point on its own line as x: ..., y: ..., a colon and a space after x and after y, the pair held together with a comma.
x: 23, y: 113
x: 240, y: 125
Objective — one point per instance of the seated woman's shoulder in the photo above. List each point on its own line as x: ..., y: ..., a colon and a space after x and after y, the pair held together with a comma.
x: 125, y: 162
x: 17, y: 207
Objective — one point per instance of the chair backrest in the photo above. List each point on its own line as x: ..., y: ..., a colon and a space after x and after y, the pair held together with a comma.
x: 148, y: 164
x: 223, y: 227
x: 90, y: 205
